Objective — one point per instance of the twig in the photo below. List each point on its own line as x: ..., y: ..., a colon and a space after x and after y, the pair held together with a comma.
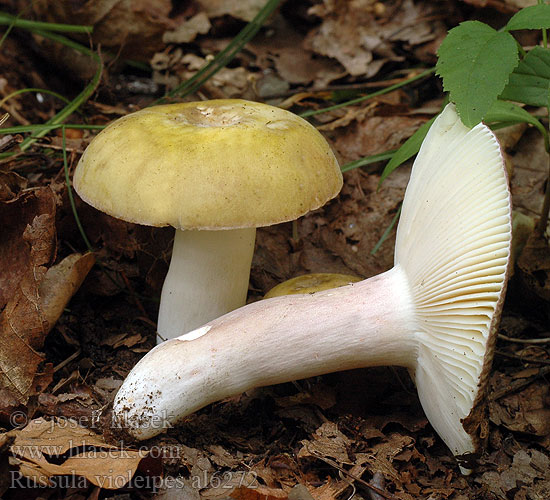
x: 521, y: 358
x: 9, y: 141
x: 544, y: 340
x: 65, y: 362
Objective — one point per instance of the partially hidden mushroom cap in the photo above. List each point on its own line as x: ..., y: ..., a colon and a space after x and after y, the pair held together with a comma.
x: 216, y: 164
x: 311, y: 283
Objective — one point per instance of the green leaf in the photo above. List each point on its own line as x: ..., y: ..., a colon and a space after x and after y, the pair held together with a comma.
x: 534, y: 17
x: 475, y: 62
x: 503, y: 112
x: 508, y: 112
x: 530, y: 81
x: 409, y: 148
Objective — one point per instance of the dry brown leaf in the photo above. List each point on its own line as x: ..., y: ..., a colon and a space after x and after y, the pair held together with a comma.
x: 123, y: 339
x: 505, y: 6
x: 531, y: 468
x: 11, y: 185
x: 188, y: 30
x: 239, y: 9
x: 27, y: 247
x: 351, y: 34
x: 283, y: 47
x: 375, y: 134
x: 102, y: 464
x: 133, y: 27
x: 525, y: 411
x: 260, y: 493
x: 220, y: 456
x: 327, y: 441
x: 60, y: 283
x: 382, y: 456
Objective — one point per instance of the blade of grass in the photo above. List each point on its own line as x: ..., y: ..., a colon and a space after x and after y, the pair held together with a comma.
x: 386, y: 233
x: 5, y: 35
x: 224, y: 57
x: 14, y: 21
x: 22, y: 129
x: 357, y: 100
x: 70, y: 193
x: 32, y: 89
x: 368, y: 160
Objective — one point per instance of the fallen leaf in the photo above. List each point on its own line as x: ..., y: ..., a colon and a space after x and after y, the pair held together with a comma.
x: 11, y: 185
x: 524, y: 411
x: 351, y: 34
x: 60, y: 283
x: 374, y: 134
x: 284, y: 48
x: 260, y: 493
x: 40, y: 448
x: 327, y: 441
x: 239, y: 9
x: 531, y: 468
x: 188, y: 30
x: 133, y: 28
x: 27, y: 248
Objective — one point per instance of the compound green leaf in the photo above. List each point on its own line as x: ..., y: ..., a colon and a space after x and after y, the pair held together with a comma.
x: 534, y: 17
x: 530, y: 81
x: 475, y: 62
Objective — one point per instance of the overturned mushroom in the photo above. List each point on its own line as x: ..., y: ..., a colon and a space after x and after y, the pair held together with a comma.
x: 215, y: 171
x: 434, y: 313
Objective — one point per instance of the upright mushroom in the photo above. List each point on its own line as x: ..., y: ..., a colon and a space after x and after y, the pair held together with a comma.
x: 215, y: 171
x: 435, y: 312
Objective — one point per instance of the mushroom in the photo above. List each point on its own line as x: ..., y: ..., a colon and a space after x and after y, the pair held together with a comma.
x: 215, y: 171
x: 311, y: 283
x: 435, y: 312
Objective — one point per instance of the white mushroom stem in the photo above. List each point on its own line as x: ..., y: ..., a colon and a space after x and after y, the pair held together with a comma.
x: 435, y: 312
x: 208, y: 277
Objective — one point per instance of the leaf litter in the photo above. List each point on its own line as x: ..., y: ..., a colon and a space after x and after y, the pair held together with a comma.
x: 333, y: 437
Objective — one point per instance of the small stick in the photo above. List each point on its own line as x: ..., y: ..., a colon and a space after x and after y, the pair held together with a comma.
x: 524, y: 341
x: 521, y: 358
x: 65, y: 362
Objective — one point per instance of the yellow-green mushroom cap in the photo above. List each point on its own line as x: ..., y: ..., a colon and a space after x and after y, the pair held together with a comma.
x: 311, y: 283
x: 217, y: 164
